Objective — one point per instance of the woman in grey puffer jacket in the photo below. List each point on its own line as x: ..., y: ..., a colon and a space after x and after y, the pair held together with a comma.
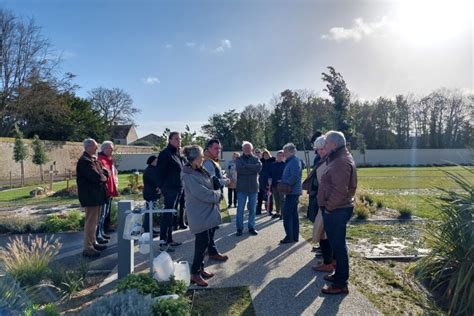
x: 202, y: 207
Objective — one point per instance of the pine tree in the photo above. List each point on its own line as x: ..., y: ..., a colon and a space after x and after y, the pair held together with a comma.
x: 39, y: 154
x: 20, y: 152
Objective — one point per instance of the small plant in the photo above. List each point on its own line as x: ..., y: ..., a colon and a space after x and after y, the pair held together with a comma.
x: 362, y: 209
x: 448, y: 269
x: 28, y: 262
x: 172, y: 307
x: 20, y: 225
x: 365, y: 197
x: 405, y: 213
x: 126, y: 191
x: 13, y: 299
x: 129, y: 303
x: 379, y: 204
x: 50, y: 310
x: 70, y: 281
x: 134, y: 182
x: 72, y: 221
x: 70, y: 192
x: 145, y: 284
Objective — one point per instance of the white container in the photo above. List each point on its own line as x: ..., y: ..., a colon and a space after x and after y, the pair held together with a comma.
x: 182, y: 272
x: 133, y: 226
x: 163, y: 267
x: 144, y: 243
x: 167, y: 297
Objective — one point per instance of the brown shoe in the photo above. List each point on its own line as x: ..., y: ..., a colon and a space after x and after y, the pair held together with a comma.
x: 198, y: 280
x: 219, y: 257
x: 324, y: 268
x: 333, y: 290
x: 207, y: 275
x: 329, y: 277
x: 91, y: 253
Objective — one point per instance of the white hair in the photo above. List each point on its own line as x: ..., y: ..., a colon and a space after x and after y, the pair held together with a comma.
x: 247, y: 143
x: 290, y: 147
x: 87, y: 142
x: 319, y: 142
x: 336, y: 138
x: 106, y: 144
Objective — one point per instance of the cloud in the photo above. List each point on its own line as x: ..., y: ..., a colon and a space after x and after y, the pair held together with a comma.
x: 169, y: 46
x: 359, y: 30
x: 190, y: 44
x: 225, y: 44
x: 151, y: 80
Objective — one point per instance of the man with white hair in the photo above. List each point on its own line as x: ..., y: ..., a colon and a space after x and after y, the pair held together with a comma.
x: 105, y: 157
x: 292, y: 176
x: 336, y: 200
x: 91, y: 182
x: 248, y: 166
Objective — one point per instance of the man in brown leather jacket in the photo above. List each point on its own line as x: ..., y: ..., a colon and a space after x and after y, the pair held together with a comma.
x: 336, y: 199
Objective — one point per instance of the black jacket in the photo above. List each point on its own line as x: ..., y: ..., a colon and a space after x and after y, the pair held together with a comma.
x: 170, y: 164
x: 91, y: 190
x: 150, y: 183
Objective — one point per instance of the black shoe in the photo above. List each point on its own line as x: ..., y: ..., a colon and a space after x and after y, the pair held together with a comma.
x: 286, y: 241
x: 102, y: 241
x: 181, y: 227
x: 316, y: 249
x: 276, y: 215
x: 239, y: 232
x: 252, y: 231
x: 100, y: 247
x: 105, y: 236
x: 281, y: 218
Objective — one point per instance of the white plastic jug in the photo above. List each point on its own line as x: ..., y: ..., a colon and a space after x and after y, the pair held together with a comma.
x: 144, y: 243
x: 163, y: 267
x: 181, y: 272
x: 133, y: 226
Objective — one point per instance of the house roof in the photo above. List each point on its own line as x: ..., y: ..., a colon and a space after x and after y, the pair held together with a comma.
x: 151, y: 138
x: 120, y: 131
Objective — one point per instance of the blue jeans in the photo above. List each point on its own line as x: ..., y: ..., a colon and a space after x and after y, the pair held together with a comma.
x: 104, y: 212
x: 335, y: 224
x: 291, y: 221
x: 252, y: 206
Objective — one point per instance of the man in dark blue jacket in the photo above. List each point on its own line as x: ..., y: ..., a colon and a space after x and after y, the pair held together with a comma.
x: 170, y: 164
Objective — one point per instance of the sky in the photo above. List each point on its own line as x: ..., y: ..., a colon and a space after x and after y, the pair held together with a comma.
x: 182, y: 61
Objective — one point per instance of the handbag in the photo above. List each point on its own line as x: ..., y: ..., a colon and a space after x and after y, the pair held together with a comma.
x: 283, y: 188
x: 308, y: 182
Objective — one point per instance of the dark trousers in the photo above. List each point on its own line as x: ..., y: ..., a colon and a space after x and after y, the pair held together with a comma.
x: 291, y: 221
x: 102, y: 226
x: 204, y: 240
x: 262, y: 196
x: 232, y: 196
x: 326, y: 251
x: 179, y: 220
x: 335, y: 224
x: 312, y: 206
x: 171, y: 198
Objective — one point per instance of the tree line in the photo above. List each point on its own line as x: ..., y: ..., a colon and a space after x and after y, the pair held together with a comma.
x: 441, y: 119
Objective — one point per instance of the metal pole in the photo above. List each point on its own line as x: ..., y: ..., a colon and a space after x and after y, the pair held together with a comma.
x: 149, y: 208
x: 11, y: 184
x: 126, y: 259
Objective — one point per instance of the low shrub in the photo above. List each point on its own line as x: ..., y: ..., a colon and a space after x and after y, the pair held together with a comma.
x: 129, y: 303
x: 172, y: 307
x: 70, y: 280
x: 362, y: 212
x: 365, y: 197
x: 405, y: 213
x: 13, y: 299
x: 72, y: 221
x: 126, y: 191
x: 379, y: 204
x: 28, y: 262
x: 70, y: 192
x: 20, y: 225
x: 145, y: 284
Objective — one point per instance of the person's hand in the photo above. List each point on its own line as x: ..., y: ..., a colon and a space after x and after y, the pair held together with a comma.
x: 103, y: 178
x: 158, y: 190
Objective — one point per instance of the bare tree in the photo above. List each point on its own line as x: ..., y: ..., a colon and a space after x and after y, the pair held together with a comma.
x: 24, y: 53
x: 114, y: 105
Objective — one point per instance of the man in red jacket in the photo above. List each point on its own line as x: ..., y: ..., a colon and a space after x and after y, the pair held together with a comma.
x: 105, y: 157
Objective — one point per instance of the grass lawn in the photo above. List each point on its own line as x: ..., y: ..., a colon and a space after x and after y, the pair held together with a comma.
x: 223, y: 301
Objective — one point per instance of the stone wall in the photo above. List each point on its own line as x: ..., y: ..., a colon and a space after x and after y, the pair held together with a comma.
x: 65, y: 154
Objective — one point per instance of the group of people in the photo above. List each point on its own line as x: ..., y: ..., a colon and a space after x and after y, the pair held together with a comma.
x: 191, y: 180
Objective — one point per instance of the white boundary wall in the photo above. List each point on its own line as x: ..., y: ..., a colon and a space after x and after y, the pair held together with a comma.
x: 378, y: 157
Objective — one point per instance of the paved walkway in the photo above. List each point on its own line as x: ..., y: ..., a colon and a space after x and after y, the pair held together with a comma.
x: 280, y: 278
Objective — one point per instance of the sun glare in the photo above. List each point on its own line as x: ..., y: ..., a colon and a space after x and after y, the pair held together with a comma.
x: 432, y: 21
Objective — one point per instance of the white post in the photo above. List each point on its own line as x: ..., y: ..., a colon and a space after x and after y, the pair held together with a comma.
x: 126, y: 258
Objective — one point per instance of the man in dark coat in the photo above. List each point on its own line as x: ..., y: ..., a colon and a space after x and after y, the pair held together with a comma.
x: 91, y: 180
x: 170, y: 164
